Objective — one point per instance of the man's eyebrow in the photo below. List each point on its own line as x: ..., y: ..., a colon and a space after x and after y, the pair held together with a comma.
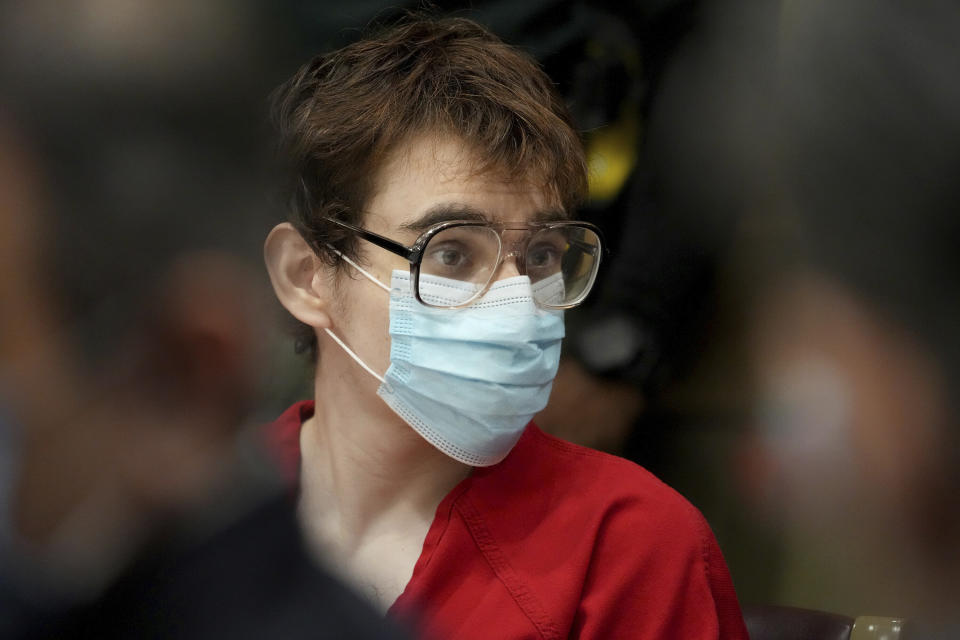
x: 549, y: 215
x: 444, y: 212
x: 447, y: 212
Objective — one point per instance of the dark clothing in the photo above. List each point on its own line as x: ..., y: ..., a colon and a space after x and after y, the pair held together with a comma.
x: 250, y: 580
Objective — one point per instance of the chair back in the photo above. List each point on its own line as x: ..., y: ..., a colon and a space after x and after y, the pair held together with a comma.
x: 773, y: 622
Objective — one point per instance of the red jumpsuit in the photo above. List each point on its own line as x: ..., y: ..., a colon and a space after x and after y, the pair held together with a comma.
x: 560, y: 541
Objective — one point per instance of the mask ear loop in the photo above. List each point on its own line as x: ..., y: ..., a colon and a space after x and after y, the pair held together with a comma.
x: 340, y: 342
x: 355, y: 356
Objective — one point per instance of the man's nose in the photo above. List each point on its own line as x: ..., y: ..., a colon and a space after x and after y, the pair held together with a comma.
x: 509, y: 266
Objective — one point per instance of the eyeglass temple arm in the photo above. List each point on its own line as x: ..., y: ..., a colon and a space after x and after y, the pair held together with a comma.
x: 380, y: 241
x: 586, y: 247
x: 591, y: 249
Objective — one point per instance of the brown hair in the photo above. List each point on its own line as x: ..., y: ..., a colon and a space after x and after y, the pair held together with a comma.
x: 342, y: 115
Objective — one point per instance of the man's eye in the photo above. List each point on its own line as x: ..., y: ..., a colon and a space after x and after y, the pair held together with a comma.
x: 449, y: 256
x: 543, y: 255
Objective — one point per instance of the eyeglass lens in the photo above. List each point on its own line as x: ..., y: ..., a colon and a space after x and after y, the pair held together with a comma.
x: 461, y: 261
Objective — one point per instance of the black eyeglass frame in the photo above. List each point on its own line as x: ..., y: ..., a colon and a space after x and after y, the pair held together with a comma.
x: 414, y: 253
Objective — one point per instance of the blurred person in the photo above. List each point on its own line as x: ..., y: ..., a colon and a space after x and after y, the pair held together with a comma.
x: 130, y: 336
x: 846, y: 145
x: 857, y: 343
x: 429, y: 258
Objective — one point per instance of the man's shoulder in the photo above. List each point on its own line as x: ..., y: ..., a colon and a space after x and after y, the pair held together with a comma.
x: 589, y: 486
x: 571, y: 525
x: 590, y: 472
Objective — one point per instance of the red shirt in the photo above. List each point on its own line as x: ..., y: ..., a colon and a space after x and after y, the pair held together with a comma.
x: 560, y: 541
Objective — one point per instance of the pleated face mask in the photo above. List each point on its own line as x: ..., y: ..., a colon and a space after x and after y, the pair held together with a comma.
x: 469, y: 379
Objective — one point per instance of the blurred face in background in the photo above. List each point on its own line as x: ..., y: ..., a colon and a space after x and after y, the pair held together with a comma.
x: 851, y: 407
x: 851, y: 437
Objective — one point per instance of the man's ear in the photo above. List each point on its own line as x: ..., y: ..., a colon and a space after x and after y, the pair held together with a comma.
x: 295, y: 273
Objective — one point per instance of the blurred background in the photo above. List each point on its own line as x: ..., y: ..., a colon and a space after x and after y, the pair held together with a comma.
x: 135, y: 194
x: 775, y: 331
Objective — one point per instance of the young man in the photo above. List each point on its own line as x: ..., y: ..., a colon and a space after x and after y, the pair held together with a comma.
x: 429, y: 259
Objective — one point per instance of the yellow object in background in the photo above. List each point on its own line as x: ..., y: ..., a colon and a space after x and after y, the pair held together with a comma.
x: 612, y: 156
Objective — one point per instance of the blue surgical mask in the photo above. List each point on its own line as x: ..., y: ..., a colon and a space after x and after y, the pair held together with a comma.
x: 469, y: 380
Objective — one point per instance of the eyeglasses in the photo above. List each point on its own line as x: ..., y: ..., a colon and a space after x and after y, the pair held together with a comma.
x: 560, y: 258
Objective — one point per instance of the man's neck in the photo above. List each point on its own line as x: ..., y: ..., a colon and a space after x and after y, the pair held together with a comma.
x: 365, y: 472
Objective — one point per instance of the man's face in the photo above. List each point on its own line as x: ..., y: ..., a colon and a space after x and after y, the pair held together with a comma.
x: 429, y: 180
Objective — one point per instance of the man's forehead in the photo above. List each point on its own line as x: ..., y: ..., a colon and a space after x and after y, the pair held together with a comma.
x: 445, y: 212
x: 433, y: 179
